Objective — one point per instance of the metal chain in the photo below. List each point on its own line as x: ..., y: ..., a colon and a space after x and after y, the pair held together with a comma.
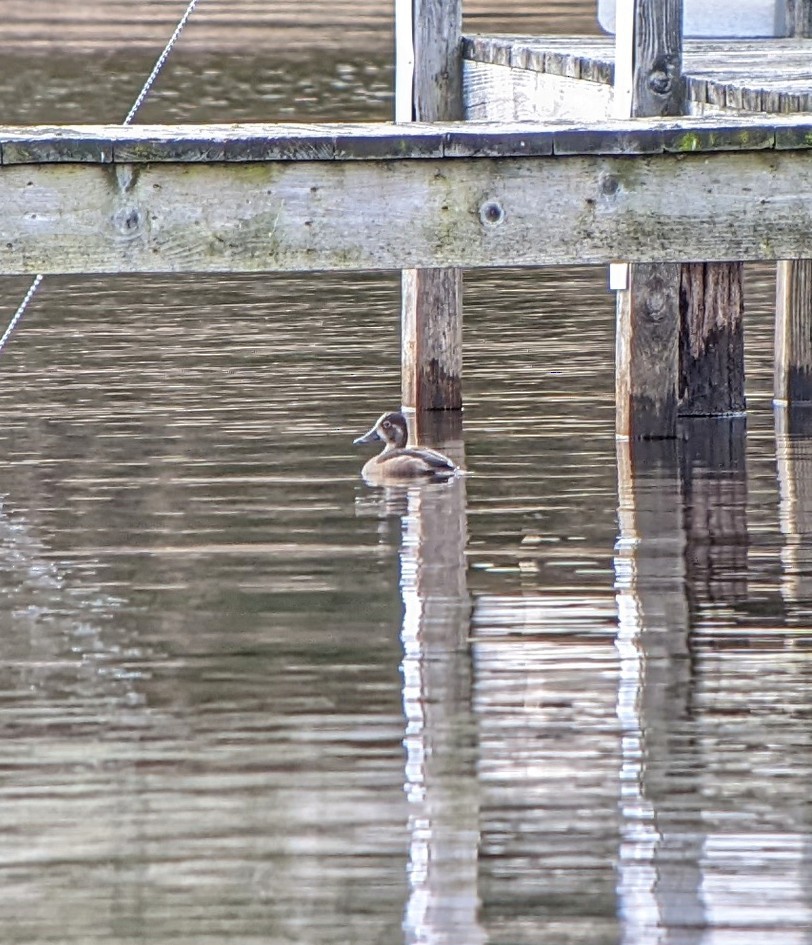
x: 145, y: 90
x: 160, y: 61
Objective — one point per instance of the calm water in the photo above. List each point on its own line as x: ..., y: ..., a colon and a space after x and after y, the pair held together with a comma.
x: 246, y: 698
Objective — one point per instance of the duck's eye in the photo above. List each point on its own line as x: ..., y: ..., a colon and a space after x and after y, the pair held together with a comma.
x: 386, y: 424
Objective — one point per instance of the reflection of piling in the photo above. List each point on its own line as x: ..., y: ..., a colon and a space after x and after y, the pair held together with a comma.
x: 714, y: 481
x: 440, y: 780
x: 682, y: 549
x: 793, y: 432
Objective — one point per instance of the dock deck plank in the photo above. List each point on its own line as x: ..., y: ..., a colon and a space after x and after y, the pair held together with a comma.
x: 760, y: 75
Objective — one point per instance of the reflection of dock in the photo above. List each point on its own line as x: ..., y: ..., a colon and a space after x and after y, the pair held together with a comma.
x: 556, y: 745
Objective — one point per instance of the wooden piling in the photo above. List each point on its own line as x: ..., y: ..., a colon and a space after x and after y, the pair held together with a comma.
x: 431, y: 306
x: 648, y: 82
x: 793, y: 303
x: 711, y: 361
x: 702, y: 374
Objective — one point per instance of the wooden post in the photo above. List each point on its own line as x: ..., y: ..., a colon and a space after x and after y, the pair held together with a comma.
x: 711, y: 364
x: 799, y: 17
x: 648, y: 82
x: 431, y: 298
x: 793, y: 303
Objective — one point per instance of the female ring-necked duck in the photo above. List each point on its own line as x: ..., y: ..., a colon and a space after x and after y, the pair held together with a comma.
x: 397, y: 460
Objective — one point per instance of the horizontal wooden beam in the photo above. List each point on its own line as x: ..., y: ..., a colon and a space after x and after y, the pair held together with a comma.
x: 355, y: 198
x: 250, y: 143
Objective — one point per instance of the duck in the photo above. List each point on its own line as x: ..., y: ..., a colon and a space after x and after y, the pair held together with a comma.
x: 397, y: 460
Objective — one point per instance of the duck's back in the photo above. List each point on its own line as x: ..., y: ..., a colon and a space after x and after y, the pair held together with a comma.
x: 408, y: 463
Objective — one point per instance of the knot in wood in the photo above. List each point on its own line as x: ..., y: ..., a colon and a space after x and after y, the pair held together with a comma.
x: 128, y: 221
x: 491, y: 213
x: 609, y: 185
x: 660, y: 82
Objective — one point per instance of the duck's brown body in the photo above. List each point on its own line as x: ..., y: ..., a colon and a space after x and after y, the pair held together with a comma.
x: 397, y: 460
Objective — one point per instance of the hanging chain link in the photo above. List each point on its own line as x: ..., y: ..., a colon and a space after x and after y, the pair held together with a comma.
x: 160, y: 61
x: 145, y: 90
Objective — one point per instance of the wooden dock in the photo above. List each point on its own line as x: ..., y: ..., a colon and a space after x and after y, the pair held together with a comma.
x: 681, y: 159
x: 357, y: 197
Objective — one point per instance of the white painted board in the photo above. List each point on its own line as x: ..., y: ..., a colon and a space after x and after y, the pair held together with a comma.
x: 719, y: 18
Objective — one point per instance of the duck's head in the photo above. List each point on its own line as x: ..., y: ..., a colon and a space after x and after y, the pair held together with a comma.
x: 389, y: 427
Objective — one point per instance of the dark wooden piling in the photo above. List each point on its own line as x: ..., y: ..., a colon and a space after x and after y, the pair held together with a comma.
x: 793, y: 302
x: 711, y: 360
x: 431, y: 307
x: 702, y: 374
x: 649, y: 78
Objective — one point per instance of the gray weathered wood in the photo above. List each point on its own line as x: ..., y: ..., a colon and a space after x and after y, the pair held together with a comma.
x: 799, y: 16
x: 793, y: 332
x: 273, y: 143
x: 394, y: 214
x: 793, y: 305
x: 431, y: 352
x: 650, y: 79
x: 753, y: 75
x: 711, y: 340
x: 646, y: 356
x: 431, y: 304
x: 657, y: 82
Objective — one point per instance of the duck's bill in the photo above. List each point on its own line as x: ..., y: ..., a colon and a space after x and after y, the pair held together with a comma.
x: 369, y: 437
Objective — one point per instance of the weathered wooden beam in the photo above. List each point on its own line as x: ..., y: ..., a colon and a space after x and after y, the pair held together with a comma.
x: 358, y: 210
x: 431, y: 299
x: 648, y: 81
x: 350, y: 142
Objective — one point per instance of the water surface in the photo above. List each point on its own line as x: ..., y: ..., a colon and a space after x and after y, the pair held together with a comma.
x: 245, y: 697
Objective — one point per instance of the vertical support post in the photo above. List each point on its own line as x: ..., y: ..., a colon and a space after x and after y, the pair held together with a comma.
x: 799, y: 17
x: 793, y: 332
x: 680, y: 333
x: 648, y: 83
x: 431, y: 298
x: 793, y: 302
x: 711, y: 382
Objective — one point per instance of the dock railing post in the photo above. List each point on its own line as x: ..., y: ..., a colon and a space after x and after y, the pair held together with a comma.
x: 429, y: 88
x: 799, y: 15
x: 648, y: 83
x: 793, y: 302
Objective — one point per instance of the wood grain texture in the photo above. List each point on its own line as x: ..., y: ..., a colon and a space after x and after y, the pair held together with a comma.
x: 257, y: 143
x: 647, y: 344
x: 793, y: 303
x: 711, y: 340
x: 754, y: 75
x: 431, y: 354
x: 649, y: 79
x: 394, y: 214
x: 799, y: 16
x: 793, y: 332
x: 431, y: 303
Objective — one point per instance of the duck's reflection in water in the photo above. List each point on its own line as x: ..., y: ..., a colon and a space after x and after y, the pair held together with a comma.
x: 440, y: 766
